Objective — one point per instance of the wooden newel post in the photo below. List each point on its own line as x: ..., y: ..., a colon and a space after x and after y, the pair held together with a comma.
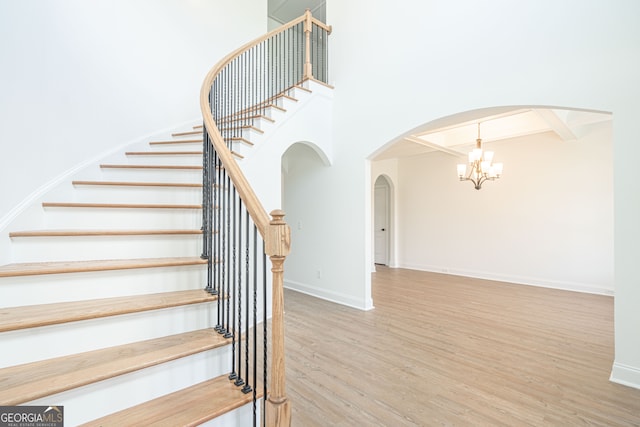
x: 277, y: 246
x: 308, y: 27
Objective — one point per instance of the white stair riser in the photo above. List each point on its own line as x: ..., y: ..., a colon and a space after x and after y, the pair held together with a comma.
x: 44, y: 249
x: 150, y: 159
x: 242, y: 416
x: 137, y: 194
x: 249, y: 133
x: 45, y: 342
x: 86, y: 403
x: 243, y: 148
x: 152, y: 175
x: 299, y: 94
x: 52, y: 288
x: 263, y: 124
x: 275, y: 113
x: 197, y: 134
x: 116, y: 218
x: 286, y: 103
x: 183, y: 146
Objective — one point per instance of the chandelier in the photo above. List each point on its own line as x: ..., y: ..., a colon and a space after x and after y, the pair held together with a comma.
x: 481, y: 166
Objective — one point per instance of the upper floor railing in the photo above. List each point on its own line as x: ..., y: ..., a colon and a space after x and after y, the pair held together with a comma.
x: 238, y: 234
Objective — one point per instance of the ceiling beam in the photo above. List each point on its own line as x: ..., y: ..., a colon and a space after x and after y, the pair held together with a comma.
x: 475, y: 121
x: 435, y: 146
x: 556, y: 124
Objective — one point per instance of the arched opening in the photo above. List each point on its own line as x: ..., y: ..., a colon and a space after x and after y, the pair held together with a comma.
x: 547, y: 222
x: 305, y: 172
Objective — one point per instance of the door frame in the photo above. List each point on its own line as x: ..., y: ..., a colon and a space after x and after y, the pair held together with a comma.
x: 384, y: 181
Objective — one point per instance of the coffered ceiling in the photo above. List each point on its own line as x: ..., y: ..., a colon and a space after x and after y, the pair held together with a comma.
x: 456, y: 135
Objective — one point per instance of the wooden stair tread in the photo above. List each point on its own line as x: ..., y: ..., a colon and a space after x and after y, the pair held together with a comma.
x: 178, y: 141
x: 34, y: 316
x: 282, y: 95
x: 23, y: 383
x: 191, y: 132
x: 73, y: 233
x: 249, y: 111
x: 60, y: 267
x: 289, y: 97
x: 250, y: 127
x: 191, y: 406
x: 140, y: 184
x: 302, y: 88
x: 118, y: 205
x: 171, y: 167
x: 240, y: 139
x: 250, y: 117
x: 163, y: 153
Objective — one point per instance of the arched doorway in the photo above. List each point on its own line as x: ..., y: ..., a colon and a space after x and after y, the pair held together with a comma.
x: 382, y: 221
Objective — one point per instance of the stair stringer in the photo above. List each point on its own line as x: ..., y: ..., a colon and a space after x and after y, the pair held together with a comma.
x: 263, y: 164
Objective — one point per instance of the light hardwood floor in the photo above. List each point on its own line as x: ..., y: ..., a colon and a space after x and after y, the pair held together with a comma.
x: 447, y: 350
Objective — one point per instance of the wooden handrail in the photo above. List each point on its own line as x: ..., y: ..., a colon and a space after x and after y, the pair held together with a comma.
x: 274, y: 231
x: 255, y: 208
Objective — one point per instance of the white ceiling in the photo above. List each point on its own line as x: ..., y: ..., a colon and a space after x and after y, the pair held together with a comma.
x: 284, y: 11
x: 456, y: 135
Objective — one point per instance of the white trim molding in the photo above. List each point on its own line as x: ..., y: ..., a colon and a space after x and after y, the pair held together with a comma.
x: 520, y: 280
x: 337, y: 297
x: 625, y: 375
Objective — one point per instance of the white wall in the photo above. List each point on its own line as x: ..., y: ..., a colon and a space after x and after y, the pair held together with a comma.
x: 547, y: 222
x: 431, y: 59
x: 322, y: 261
x: 80, y: 77
x: 307, y: 268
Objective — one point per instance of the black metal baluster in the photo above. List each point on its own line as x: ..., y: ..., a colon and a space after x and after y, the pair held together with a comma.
x: 255, y: 321
x: 233, y: 375
x: 228, y: 329
x: 239, y: 381
x: 325, y: 50
x: 220, y: 249
x: 218, y: 245
x: 265, y: 340
x: 206, y: 194
x: 247, y: 387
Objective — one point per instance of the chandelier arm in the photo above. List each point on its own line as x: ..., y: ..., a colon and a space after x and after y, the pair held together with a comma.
x: 480, y: 182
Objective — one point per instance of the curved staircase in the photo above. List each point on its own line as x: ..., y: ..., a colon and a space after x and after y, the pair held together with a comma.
x: 104, y: 310
x: 116, y: 305
x: 109, y: 296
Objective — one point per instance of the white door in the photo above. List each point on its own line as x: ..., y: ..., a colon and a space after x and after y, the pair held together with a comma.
x: 381, y: 224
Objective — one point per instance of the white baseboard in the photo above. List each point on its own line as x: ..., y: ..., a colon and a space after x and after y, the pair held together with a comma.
x: 625, y: 375
x: 332, y: 296
x: 521, y: 280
